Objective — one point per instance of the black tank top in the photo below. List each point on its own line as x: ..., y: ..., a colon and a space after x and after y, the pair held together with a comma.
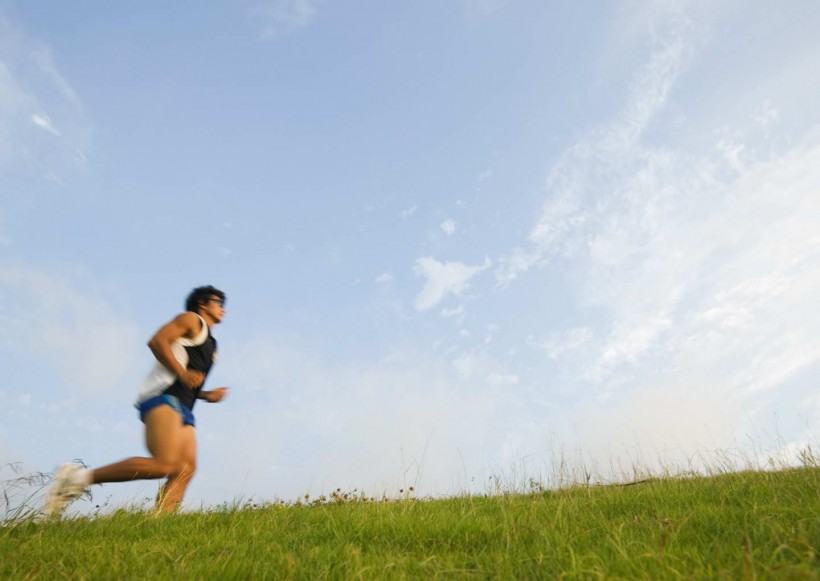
x: 200, y: 358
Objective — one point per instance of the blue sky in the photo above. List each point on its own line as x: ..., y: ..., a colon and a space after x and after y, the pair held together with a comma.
x: 459, y: 239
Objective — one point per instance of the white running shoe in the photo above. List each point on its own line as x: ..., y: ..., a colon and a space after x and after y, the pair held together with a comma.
x: 65, y: 487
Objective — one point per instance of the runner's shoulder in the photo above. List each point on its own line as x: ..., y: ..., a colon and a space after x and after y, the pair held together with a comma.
x: 190, y: 321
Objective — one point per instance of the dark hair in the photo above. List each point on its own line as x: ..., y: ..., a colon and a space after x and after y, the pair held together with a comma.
x: 201, y: 294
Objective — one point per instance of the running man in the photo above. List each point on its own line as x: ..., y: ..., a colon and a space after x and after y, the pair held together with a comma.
x: 185, y: 351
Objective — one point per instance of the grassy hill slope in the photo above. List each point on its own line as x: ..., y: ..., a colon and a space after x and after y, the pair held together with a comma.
x: 734, y: 526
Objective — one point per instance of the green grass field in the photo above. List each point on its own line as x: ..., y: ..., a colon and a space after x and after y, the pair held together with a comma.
x: 747, y: 525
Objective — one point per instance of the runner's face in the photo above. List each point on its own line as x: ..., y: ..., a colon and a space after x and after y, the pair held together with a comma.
x: 214, y: 306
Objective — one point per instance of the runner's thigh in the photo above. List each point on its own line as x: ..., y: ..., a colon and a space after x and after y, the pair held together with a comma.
x: 164, y: 433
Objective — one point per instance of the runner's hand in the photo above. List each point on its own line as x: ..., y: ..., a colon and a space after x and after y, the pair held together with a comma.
x: 192, y: 379
x: 216, y: 395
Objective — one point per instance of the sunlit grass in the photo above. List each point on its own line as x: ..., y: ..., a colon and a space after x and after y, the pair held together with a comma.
x: 733, y: 525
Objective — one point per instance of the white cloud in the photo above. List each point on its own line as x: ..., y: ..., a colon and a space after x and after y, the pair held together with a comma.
x: 448, y: 227
x: 465, y: 365
x: 575, y: 185
x: 84, y: 339
x: 456, y: 312
x: 30, y: 85
x: 376, y: 427
x: 384, y: 278
x: 43, y: 122
x: 278, y: 17
x: 449, y: 278
x: 767, y: 115
x: 692, y: 275
x: 13, y: 101
x: 709, y: 270
x: 52, y: 177
x: 406, y: 213
x: 485, y: 175
x: 42, y: 57
x: 561, y: 344
x: 732, y: 154
x: 517, y: 262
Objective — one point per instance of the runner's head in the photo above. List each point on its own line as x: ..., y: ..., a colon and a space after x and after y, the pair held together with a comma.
x: 200, y: 296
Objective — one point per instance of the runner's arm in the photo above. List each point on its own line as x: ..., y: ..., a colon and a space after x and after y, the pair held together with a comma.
x: 184, y: 325
x: 214, y: 395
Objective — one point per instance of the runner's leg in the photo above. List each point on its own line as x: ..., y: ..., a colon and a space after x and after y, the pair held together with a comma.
x: 172, y: 492
x: 164, y: 437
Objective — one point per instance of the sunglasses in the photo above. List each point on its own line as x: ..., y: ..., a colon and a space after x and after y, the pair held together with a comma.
x: 220, y: 302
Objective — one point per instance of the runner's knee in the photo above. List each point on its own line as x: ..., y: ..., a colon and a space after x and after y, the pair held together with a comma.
x: 185, y: 468
x: 168, y: 468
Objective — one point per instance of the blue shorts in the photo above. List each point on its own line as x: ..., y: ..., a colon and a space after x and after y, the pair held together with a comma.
x: 185, y: 413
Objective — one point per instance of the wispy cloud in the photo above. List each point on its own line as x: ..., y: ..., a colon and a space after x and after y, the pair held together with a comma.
x: 32, y: 85
x: 78, y: 335
x: 456, y: 312
x: 448, y: 227
x: 737, y: 261
x: 447, y: 278
x: 13, y: 104
x: 767, y: 115
x: 407, y: 212
x: 384, y: 278
x: 581, y: 186
x: 278, y: 17
x: 693, y: 274
x: 44, y: 123
x: 561, y: 344
x: 42, y: 57
x: 313, y: 423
